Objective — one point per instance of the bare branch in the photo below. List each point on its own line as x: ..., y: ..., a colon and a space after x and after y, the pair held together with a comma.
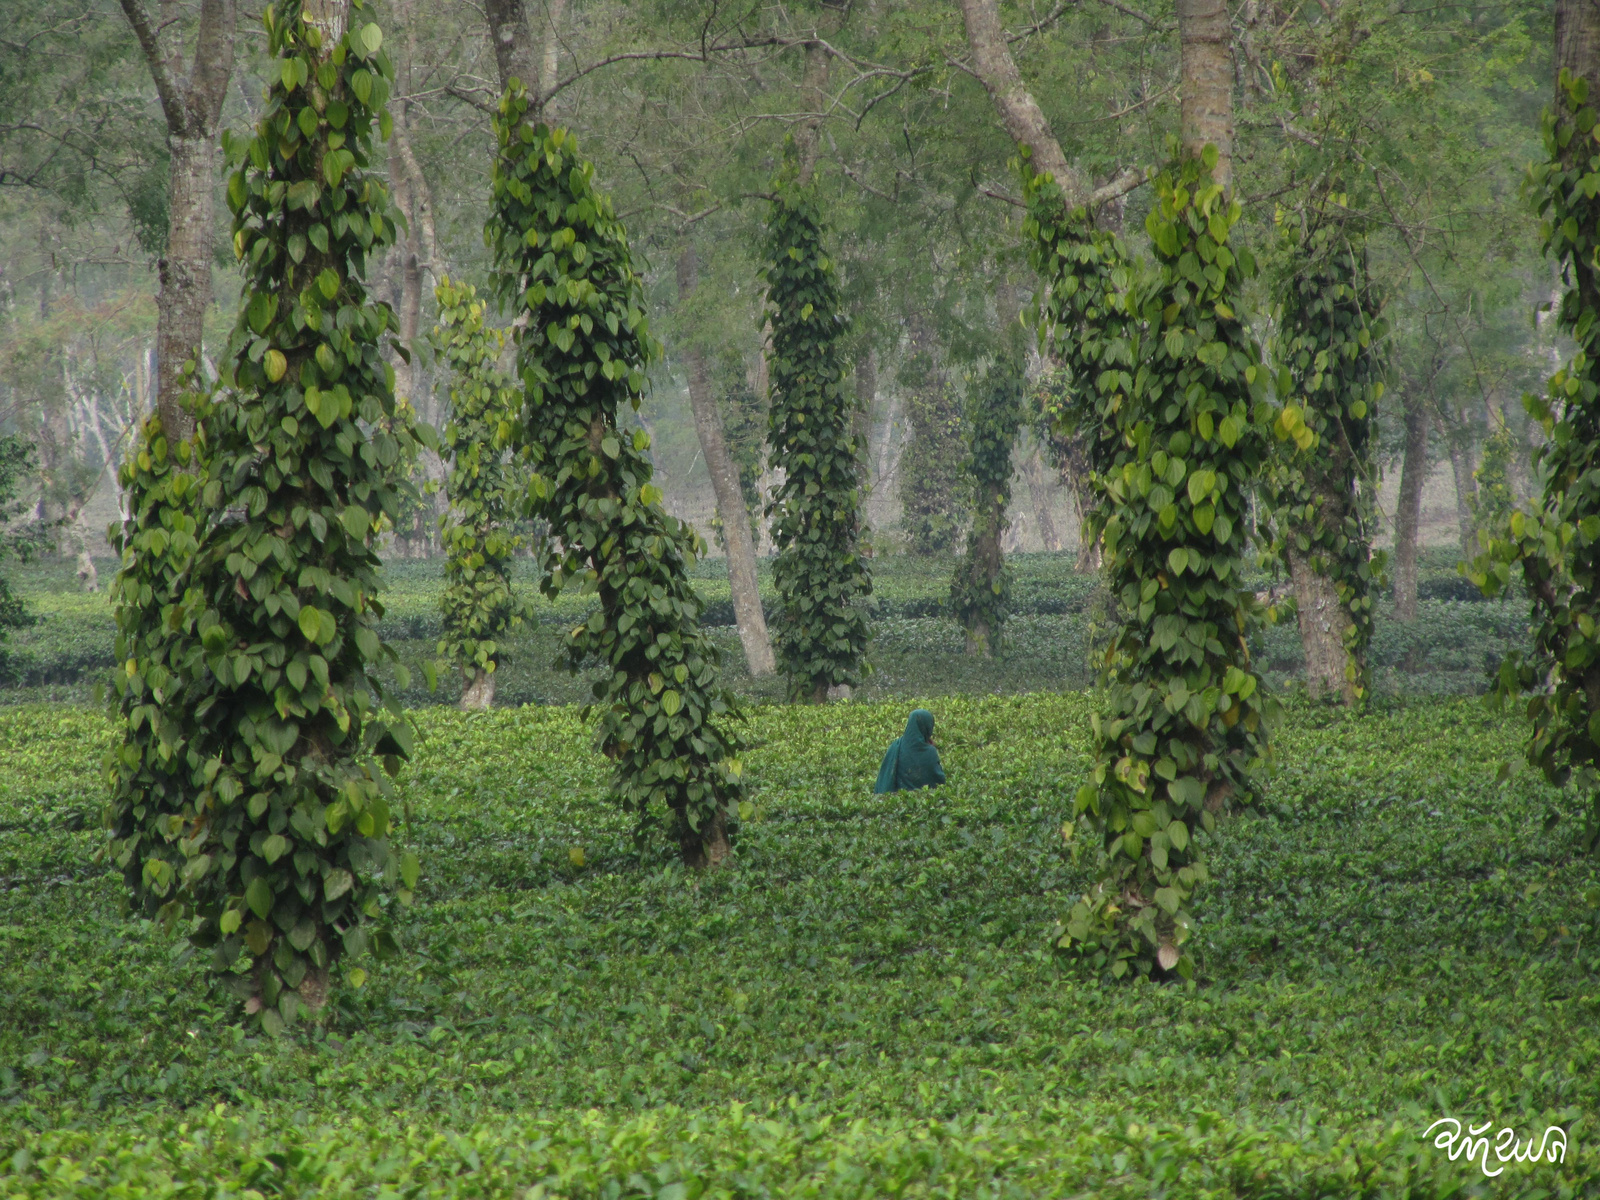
x: 171, y: 102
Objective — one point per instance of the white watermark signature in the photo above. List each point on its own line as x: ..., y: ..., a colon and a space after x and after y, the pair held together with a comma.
x: 1507, y: 1146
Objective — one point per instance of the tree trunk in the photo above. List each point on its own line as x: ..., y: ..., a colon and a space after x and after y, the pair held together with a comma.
x: 1206, y: 69
x: 478, y: 695
x: 515, y: 55
x: 1075, y: 473
x: 866, y: 397
x: 1019, y: 112
x: 1408, y: 514
x: 731, y: 511
x: 1039, y: 489
x: 1323, y: 621
x: 1466, y: 487
x: 814, y: 95
x: 192, y: 106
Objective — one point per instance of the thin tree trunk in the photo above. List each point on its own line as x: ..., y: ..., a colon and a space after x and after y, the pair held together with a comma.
x: 1039, y: 489
x: 1075, y: 474
x: 1408, y: 514
x: 550, y: 59
x: 192, y: 106
x: 814, y: 95
x: 866, y: 397
x: 1019, y: 112
x: 731, y: 511
x: 1206, y: 70
x: 1466, y: 486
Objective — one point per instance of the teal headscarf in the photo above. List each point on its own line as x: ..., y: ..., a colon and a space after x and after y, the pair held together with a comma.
x: 911, y: 761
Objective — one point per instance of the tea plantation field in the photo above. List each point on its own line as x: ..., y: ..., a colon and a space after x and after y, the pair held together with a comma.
x: 865, y: 1004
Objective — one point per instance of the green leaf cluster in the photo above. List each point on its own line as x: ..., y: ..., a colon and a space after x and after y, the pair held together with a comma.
x: 1174, y: 378
x: 662, y: 712
x: 821, y: 631
x: 1557, y: 545
x: 484, y: 485
x: 1322, y: 487
x: 247, y: 790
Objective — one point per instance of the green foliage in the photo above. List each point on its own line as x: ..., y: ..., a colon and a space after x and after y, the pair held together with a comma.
x: 16, y: 461
x: 1183, y: 725
x: 821, y: 632
x: 1384, y: 934
x: 1322, y: 486
x: 247, y: 793
x: 662, y: 711
x: 980, y: 592
x: 1084, y: 318
x: 1557, y: 546
x: 771, y: 1151
x: 478, y: 608
x: 1495, y: 501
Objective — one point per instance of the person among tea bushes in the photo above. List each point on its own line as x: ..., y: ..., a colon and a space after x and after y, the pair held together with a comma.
x: 912, y: 761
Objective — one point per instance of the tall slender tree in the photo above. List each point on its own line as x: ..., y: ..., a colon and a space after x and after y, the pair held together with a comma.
x: 249, y: 791
x: 732, y: 513
x: 191, y: 102
x: 583, y: 346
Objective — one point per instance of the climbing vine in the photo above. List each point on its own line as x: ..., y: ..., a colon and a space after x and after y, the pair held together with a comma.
x: 480, y: 541
x: 265, y: 724
x: 980, y: 592
x: 1183, y: 720
x: 821, y: 629
x: 1086, y: 324
x: 1322, y: 485
x: 563, y: 257
x: 1557, y: 545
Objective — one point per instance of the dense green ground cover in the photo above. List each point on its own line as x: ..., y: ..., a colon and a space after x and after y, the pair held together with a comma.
x: 1397, y: 937
x: 917, y: 648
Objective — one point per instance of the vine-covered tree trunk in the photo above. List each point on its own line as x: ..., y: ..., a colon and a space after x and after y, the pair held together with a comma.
x: 1320, y: 489
x: 192, y: 106
x: 980, y: 593
x: 1408, y: 512
x: 819, y: 572
x: 725, y: 483
x: 1557, y: 545
x: 584, y: 346
x: 261, y: 681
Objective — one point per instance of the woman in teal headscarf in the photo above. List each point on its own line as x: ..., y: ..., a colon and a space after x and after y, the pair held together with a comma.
x: 911, y: 761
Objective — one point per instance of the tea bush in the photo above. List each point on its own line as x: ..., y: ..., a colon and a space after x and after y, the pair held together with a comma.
x: 1397, y: 936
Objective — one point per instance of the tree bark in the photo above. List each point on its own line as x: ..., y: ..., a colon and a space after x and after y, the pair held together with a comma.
x: 1323, y: 621
x: 515, y: 55
x: 1466, y: 486
x: 1408, y: 514
x: 1019, y: 112
x: 731, y: 511
x: 1039, y: 489
x: 1206, y: 72
x: 478, y: 695
x: 192, y: 107
x: 814, y: 95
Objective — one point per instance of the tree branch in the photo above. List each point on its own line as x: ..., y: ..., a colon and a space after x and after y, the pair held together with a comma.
x: 171, y: 102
